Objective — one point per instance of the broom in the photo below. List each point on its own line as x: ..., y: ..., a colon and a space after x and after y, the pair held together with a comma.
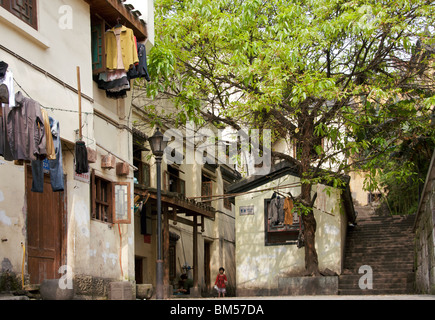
x: 82, y: 165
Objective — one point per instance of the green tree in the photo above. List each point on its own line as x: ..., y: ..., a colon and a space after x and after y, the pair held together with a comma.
x: 344, y: 72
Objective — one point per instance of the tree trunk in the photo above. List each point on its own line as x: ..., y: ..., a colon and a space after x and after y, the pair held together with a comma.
x: 311, y: 259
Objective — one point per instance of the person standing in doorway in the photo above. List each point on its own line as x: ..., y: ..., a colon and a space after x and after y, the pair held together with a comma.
x: 221, y: 282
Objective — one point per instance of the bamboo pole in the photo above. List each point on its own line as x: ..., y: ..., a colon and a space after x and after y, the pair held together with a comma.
x: 79, y: 89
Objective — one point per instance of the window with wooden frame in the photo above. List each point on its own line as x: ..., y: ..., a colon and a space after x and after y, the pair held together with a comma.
x: 111, y: 201
x: 98, y: 30
x: 101, y: 197
x: 172, y: 181
x: 283, y: 230
x: 25, y: 10
x: 206, y: 188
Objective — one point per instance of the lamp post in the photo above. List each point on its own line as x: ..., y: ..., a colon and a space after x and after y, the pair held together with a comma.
x: 158, y: 146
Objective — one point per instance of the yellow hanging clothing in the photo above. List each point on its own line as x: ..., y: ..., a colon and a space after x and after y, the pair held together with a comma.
x: 288, y: 208
x: 51, y: 151
x: 126, y: 43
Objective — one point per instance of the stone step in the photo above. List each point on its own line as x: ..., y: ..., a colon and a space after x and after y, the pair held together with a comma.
x: 386, y: 244
x: 354, y: 292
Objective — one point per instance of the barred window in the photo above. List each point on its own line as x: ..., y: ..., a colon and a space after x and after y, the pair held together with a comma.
x: 26, y: 10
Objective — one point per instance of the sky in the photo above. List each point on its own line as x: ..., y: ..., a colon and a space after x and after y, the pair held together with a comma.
x: 140, y: 5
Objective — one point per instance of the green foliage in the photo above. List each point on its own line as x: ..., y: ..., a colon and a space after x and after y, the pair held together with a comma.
x: 346, y: 79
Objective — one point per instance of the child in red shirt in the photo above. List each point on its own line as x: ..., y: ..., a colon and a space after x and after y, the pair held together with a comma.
x: 221, y: 282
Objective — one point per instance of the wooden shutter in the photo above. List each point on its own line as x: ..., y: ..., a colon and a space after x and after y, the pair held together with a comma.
x: 93, y: 195
x: 98, y: 46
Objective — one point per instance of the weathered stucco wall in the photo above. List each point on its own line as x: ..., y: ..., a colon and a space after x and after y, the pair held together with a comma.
x: 94, y: 250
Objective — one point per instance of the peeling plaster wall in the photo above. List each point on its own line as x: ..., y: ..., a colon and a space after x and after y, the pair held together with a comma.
x: 93, y: 249
x: 12, y: 217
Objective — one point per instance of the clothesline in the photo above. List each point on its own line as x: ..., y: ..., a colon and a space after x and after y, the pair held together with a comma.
x: 48, y: 108
x: 231, y: 195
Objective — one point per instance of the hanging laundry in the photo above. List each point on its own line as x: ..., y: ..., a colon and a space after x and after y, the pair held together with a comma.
x: 125, y: 60
x: 55, y: 164
x: 5, y: 150
x: 25, y: 130
x: 288, y: 208
x: 81, y: 159
x: 3, y: 68
x: 121, y: 52
x: 7, y: 78
x: 141, y: 69
x: 276, y: 211
x: 51, y: 151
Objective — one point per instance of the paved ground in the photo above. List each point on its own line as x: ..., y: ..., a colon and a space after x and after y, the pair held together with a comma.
x: 353, y: 297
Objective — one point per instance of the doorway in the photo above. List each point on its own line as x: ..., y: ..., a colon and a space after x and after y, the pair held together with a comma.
x: 207, y: 261
x: 46, y: 223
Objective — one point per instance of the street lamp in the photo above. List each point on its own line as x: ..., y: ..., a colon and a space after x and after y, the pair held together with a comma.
x: 158, y: 146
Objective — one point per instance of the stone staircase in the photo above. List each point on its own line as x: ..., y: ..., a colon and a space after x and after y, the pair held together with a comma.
x: 382, y: 246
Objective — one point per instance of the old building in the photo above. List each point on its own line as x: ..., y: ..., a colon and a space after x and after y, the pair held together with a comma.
x: 58, y: 54
x: 198, y: 223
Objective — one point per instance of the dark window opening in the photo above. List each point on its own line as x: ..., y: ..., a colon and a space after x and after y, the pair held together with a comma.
x: 278, y: 232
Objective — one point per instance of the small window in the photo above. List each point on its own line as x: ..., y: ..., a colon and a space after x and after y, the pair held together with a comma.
x: 284, y: 227
x: 25, y: 10
x: 172, y: 181
x: 110, y: 200
x: 101, y: 197
x: 206, y: 188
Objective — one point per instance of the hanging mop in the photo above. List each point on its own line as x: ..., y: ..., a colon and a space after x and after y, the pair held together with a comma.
x: 81, y: 161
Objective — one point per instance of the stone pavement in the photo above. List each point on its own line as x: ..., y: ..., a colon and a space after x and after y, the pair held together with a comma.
x: 334, y: 297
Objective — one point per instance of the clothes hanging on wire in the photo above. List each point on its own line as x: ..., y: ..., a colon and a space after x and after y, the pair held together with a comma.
x: 28, y: 134
x: 288, y: 211
x: 55, y: 165
x: 276, y: 211
x: 7, y: 78
x: 25, y: 130
x: 121, y: 50
x: 50, y: 148
x: 81, y: 159
x: 140, y: 70
x: 5, y: 150
x: 125, y: 60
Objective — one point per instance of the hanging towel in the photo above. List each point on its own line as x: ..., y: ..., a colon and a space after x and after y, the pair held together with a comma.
x: 51, y: 152
x: 288, y: 208
x: 82, y: 165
